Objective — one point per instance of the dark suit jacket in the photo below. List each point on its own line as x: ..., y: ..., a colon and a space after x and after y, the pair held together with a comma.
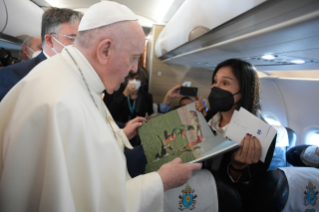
x: 11, y: 75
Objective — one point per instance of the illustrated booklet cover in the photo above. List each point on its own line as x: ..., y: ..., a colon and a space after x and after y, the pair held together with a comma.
x: 180, y: 133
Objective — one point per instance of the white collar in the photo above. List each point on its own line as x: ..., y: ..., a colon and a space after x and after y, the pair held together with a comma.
x: 214, y: 124
x: 45, y: 54
x: 90, y: 75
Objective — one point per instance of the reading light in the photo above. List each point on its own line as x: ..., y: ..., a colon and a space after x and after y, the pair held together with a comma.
x: 268, y: 57
x: 298, y: 61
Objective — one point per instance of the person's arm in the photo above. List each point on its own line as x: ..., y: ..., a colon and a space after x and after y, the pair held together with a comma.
x: 8, y: 79
x: 171, y: 94
x: 250, y: 172
x: 163, y: 108
x: 247, y: 154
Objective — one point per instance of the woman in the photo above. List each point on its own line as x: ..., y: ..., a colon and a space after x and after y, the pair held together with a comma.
x: 133, y: 100
x: 235, y: 84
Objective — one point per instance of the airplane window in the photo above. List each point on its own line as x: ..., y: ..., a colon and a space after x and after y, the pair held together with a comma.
x: 314, y: 138
x: 271, y: 120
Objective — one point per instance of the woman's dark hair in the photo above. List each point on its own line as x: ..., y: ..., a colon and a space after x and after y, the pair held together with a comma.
x: 183, y: 98
x: 248, y: 82
x: 141, y: 73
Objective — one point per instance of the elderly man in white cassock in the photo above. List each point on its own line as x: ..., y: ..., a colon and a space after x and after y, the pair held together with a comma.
x: 60, y: 149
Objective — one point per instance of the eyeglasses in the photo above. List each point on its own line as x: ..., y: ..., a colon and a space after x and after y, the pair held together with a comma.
x: 71, y: 37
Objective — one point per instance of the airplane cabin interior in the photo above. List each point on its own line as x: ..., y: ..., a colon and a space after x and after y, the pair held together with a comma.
x: 185, y: 40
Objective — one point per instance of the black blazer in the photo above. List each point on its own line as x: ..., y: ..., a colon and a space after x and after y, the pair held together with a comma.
x: 251, y: 176
x: 120, y: 110
x: 11, y: 75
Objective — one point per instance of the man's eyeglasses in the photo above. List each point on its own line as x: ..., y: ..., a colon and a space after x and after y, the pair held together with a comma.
x: 71, y: 37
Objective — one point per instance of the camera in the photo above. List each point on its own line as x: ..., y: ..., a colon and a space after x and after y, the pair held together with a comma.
x: 188, y: 91
x: 6, y: 58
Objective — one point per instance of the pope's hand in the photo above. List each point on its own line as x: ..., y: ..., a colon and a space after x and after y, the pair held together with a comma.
x: 129, y: 89
x: 131, y: 126
x: 177, y: 173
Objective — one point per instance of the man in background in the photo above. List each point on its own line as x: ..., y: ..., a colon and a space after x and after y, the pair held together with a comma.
x: 29, y: 46
x: 59, y: 28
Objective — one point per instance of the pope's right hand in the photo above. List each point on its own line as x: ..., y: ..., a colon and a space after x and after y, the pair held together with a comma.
x: 177, y: 173
x: 129, y: 89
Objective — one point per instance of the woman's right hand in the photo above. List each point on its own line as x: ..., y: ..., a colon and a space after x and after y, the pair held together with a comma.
x: 129, y: 89
x: 199, y: 105
x: 171, y: 94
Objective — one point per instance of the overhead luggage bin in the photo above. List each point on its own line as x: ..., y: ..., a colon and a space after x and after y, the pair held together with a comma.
x: 195, y: 18
x: 23, y: 17
x: 287, y: 29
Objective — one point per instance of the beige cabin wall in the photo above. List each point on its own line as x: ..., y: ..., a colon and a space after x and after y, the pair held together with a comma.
x: 163, y: 77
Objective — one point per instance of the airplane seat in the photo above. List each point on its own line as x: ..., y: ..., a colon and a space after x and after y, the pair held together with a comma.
x: 304, y: 156
x: 273, y: 191
x: 203, y: 192
x: 292, y: 137
x: 279, y: 156
x: 289, y: 189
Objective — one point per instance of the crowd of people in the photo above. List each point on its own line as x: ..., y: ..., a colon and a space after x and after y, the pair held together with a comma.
x: 68, y: 114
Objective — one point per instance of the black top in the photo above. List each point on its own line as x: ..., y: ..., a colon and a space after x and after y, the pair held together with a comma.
x: 119, y: 107
x: 250, y: 176
x: 11, y: 75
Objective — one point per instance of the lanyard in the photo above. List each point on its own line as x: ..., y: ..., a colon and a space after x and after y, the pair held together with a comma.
x: 130, y: 107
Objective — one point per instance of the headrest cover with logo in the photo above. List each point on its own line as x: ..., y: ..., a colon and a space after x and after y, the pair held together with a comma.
x: 310, y: 156
x: 105, y: 13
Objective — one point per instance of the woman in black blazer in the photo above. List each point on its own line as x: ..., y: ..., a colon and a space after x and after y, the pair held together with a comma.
x: 132, y: 99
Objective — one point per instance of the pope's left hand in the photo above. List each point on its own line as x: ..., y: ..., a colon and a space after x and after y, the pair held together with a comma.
x: 131, y: 126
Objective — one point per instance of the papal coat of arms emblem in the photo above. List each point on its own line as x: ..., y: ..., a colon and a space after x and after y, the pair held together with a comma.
x: 311, y: 195
x: 187, y: 200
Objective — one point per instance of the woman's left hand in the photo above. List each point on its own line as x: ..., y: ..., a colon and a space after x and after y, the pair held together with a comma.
x: 131, y: 126
x: 248, y: 153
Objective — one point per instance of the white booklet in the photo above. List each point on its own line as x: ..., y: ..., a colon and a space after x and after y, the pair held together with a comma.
x: 243, y: 122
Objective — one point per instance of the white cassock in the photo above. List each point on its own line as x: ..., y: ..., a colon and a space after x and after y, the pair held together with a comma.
x: 58, y: 152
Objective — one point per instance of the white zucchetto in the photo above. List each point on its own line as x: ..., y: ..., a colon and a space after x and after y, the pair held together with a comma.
x: 105, y: 13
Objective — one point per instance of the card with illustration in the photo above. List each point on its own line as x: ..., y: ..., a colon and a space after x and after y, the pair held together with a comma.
x: 180, y: 133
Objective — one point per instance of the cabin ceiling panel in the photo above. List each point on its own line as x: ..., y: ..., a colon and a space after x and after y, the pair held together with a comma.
x: 156, y: 10
x: 311, y: 54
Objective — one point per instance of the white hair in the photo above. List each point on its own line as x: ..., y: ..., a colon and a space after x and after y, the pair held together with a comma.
x: 119, y: 33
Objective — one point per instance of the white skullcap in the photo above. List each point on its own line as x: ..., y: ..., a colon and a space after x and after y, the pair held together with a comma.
x: 105, y: 13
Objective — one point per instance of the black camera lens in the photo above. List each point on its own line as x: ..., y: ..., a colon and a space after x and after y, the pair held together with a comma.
x: 6, y: 58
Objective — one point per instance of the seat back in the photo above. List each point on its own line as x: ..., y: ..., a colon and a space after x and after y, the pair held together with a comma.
x: 292, y: 137
x: 273, y: 191
x: 279, y: 156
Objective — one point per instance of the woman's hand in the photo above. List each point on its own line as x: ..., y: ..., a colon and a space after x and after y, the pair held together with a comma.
x: 248, y: 153
x: 171, y: 94
x: 129, y: 89
x: 199, y: 105
x: 130, y: 129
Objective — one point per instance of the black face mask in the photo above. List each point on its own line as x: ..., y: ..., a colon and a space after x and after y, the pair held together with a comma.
x: 221, y: 100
